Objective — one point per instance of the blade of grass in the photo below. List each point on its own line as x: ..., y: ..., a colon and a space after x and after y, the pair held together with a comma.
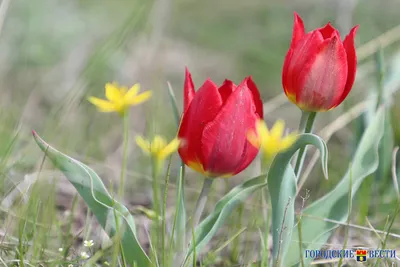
x: 348, y: 217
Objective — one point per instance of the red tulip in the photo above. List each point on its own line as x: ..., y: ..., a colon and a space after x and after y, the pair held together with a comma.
x: 214, y: 126
x: 319, y: 69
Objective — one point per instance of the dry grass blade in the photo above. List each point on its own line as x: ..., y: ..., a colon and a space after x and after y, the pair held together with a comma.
x: 383, y: 40
x: 373, y: 229
x: 275, y: 103
x: 318, y: 262
x: 354, y: 226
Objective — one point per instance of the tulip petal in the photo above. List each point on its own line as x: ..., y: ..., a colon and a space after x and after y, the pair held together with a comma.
x: 226, y: 89
x: 224, y: 142
x: 249, y: 153
x: 323, y: 77
x: 188, y: 90
x: 204, y: 108
x: 289, y: 90
x: 298, y: 29
x: 328, y: 31
x: 305, y: 50
x: 256, y: 96
x: 351, y: 63
x: 297, y: 34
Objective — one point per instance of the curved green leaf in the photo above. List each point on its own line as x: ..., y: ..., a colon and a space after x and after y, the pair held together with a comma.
x: 209, y: 226
x: 334, y: 205
x: 282, y: 189
x: 104, y: 207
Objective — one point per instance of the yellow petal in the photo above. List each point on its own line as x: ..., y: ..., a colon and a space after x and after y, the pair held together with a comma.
x: 113, y: 93
x: 277, y: 129
x: 271, y: 149
x: 139, y: 98
x: 123, y: 90
x: 288, y: 141
x: 262, y: 132
x: 102, y: 105
x: 169, y: 149
x: 143, y: 144
x: 262, y: 129
x: 132, y: 92
x: 253, y: 138
x: 157, y: 144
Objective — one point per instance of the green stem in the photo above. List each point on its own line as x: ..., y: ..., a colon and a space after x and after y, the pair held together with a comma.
x: 156, y: 188
x: 265, y: 256
x: 163, y: 222
x: 156, y: 203
x: 306, y: 126
x: 124, y: 156
x: 201, y: 203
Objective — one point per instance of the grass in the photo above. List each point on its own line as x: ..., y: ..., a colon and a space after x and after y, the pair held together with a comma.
x: 41, y: 89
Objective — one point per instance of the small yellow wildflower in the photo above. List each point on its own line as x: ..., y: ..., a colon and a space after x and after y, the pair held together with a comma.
x: 158, y: 147
x: 120, y: 98
x: 271, y: 142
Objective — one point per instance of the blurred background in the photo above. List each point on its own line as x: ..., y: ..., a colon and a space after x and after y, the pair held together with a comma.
x: 54, y: 54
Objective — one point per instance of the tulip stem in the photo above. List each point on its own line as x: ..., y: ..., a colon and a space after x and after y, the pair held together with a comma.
x: 201, y: 203
x: 306, y: 125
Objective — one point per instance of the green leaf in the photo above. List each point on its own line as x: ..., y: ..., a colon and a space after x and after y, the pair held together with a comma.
x: 334, y: 205
x: 175, y: 108
x: 104, y: 207
x: 180, y: 210
x: 210, y: 225
x: 282, y: 190
x: 385, y: 150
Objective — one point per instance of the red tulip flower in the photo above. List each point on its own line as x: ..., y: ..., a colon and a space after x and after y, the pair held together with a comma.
x: 319, y: 69
x: 214, y: 126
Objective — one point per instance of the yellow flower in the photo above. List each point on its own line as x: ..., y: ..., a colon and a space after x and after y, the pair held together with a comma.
x: 158, y: 147
x: 120, y: 98
x: 271, y: 142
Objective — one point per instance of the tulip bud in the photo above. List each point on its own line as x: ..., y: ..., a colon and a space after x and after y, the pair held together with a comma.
x: 215, y: 124
x: 319, y: 69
